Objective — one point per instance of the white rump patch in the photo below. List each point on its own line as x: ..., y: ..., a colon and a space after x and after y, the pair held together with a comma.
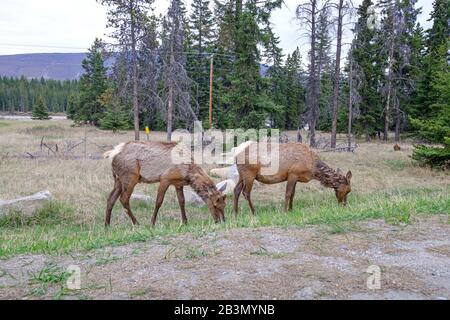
x: 114, y: 152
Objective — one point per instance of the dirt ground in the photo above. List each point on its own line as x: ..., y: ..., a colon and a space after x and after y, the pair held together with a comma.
x: 263, y: 263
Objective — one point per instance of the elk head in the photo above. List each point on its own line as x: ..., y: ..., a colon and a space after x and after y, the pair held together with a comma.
x: 343, y: 188
x: 216, y: 204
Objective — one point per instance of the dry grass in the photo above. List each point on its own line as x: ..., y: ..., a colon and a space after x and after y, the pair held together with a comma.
x: 84, y: 184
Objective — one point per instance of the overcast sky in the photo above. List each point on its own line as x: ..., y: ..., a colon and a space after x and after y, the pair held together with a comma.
x: 29, y: 26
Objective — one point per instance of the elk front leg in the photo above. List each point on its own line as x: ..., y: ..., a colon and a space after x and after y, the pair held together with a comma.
x: 181, y: 202
x: 163, y: 185
x: 290, y: 191
x: 248, y: 185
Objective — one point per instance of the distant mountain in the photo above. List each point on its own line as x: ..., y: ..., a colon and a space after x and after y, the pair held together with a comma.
x: 58, y: 66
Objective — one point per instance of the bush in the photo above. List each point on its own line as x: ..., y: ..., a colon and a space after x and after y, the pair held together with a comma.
x: 433, y: 156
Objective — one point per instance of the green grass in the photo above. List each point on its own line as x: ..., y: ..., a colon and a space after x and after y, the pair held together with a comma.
x: 51, y: 214
x: 49, y: 274
x: 397, y: 164
x: 54, y: 231
x: 4, y: 124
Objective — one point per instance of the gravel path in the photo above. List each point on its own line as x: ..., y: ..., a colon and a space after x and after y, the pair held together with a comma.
x: 264, y: 263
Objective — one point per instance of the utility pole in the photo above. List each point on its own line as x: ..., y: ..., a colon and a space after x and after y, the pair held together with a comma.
x: 211, y: 75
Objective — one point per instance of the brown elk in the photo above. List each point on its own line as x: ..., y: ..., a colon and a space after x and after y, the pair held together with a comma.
x: 151, y: 162
x: 297, y: 163
x: 397, y: 147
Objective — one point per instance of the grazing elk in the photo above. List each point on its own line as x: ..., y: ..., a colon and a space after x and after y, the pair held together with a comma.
x: 151, y: 162
x: 297, y: 163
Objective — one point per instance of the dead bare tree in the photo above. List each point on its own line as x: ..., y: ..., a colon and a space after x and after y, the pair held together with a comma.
x: 343, y: 8
x: 127, y: 18
x: 308, y: 14
x: 176, y: 80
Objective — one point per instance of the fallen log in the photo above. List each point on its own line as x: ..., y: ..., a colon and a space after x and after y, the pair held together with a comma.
x: 27, y: 204
x: 142, y: 198
x: 229, y: 173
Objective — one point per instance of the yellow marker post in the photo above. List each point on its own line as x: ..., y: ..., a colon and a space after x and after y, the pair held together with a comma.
x: 147, y: 132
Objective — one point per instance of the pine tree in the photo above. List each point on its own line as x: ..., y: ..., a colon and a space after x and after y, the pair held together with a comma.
x: 437, y: 129
x: 201, y: 25
x: 367, y: 70
x: 93, y: 83
x: 324, y: 69
x: 149, y: 65
x: 72, y: 107
x: 201, y: 40
x: 434, y: 122
x: 223, y: 45
x: 250, y: 105
x: 436, y: 38
x: 413, y: 105
x: 40, y: 111
x: 396, y: 36
x: 245, y: 95
x: 21, y: 94
x: 115, y: 117
x: 295, y: 92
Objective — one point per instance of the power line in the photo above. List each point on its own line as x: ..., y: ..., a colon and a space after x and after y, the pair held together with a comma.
x: 39, y: 46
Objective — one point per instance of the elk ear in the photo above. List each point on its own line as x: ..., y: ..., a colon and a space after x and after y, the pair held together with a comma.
x: 224, y: 197
x: 223, y: 187
x: 339, y: 171
x: 349, y: 175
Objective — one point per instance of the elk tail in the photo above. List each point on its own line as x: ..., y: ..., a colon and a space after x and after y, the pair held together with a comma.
x: 114, y: 152
x: 237, y: 150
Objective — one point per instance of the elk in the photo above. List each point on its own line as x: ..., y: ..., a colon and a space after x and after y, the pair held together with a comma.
x: 151, y: 162
x: 397, y: 147
x: 297, y: 163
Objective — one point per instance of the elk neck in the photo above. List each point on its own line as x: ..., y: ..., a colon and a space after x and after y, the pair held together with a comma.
x: 201, y: 183
x: 327, y: 176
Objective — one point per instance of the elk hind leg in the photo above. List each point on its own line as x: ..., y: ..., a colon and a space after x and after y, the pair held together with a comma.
x: 237, y: 193
x: 112, y: 198
x: 127, y: 191
x: 248, y: 185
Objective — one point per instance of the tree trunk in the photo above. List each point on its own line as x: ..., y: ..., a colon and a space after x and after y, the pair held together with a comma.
x: 170, y: 101
x: 169, y: 114
x: 397, y: 122
x: 313, y: 78
x: 350, y: 104
x: 388, y: 103
x: 135, y: 74
x: 337, y: 76
x: 389, y: 93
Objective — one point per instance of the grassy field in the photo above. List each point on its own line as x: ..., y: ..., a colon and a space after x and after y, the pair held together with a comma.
x: 385, y: 184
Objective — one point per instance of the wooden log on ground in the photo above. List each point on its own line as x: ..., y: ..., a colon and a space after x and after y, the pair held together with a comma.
x: 27, y: 204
